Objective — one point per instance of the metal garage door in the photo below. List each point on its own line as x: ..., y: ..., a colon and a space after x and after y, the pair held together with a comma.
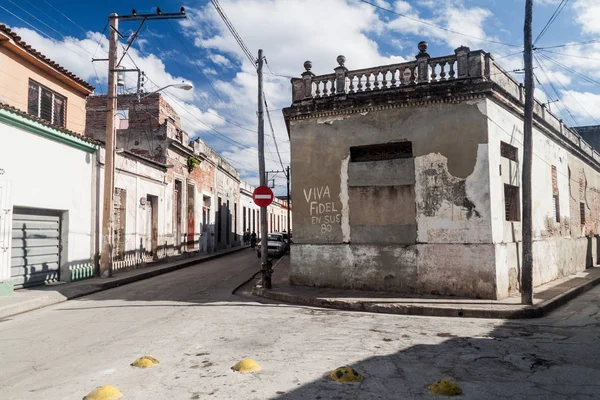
x: 35, y: 252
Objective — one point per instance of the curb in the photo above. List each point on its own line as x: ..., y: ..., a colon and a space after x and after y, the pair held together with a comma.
x: 254, y: 277
x: 536, y: 311
x: 54, y: 297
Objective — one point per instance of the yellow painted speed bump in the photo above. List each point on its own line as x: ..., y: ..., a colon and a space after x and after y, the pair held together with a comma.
x: 345, y: 375
x: 104, y: 393
x: 246, y: 365
x: 145, y: 362
x: 445, y: 387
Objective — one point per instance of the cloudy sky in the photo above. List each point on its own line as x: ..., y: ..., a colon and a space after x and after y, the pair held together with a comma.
x: 222, y: 107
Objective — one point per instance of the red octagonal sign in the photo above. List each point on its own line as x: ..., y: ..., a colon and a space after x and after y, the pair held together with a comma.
x: 263, y: 196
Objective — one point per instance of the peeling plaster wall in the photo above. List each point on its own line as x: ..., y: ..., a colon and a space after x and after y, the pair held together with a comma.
x: 452, y: 252
x: 559, y: 248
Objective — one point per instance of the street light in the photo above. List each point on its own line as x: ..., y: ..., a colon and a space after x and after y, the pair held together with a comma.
x: 183, y: 86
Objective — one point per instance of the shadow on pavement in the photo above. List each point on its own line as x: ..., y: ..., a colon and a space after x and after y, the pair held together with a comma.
x: 551, y: 358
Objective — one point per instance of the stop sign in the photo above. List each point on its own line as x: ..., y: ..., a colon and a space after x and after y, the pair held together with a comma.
x: 263, y: 196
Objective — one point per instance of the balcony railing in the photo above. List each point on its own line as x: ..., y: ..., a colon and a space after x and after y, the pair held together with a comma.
x: 464, y: 64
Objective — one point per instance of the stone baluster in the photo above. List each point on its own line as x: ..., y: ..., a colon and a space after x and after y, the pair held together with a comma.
x: 368, y: 84
x: 360, y: 84
x: 317, y: 90
x: 462, y: 61
x: 451, y: 73
x: 442, y: 70
x: 384, y: 81
x: 433, y: 73
x: 307, y: 80
x: 422, y: 64
x: 351, y: 85
x: 340, y: 76
x: 394, y: 80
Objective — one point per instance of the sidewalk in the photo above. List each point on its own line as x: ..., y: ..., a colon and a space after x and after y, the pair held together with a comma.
x: 546, y: 298
x: 30, y: 299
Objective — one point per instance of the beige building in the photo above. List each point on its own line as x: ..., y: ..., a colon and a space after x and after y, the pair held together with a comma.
x: 407, y: 178
x: 33, y: 83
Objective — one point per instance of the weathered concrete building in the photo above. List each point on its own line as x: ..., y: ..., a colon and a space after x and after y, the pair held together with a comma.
x: 407, y: 178
x: 200, y: 207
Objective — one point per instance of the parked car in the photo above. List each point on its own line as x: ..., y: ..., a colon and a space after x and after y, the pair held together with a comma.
x: 276, y: 245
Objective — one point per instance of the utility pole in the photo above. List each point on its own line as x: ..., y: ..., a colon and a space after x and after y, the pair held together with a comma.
x: 527, y: 269
x: 109, y: 154
x: 287, y: 175
x: 106, y: 255
x: 264, y: 259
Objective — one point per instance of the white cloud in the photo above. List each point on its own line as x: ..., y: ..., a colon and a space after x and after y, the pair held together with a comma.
x: 220, y: 60
x: 588, y: 15
x: 585, y: 105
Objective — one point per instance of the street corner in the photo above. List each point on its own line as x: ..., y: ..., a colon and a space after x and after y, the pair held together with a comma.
x: 145, y: 362
x: 346, y: 375
x: 445, y: 387
x: 246, y: 365
x: 104, y: 393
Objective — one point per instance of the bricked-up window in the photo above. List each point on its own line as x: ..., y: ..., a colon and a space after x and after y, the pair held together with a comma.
x: 582, y: 213
x: 381, y: 152
x: 508, y: 151
x: 46, y: 104
x: 512, y: 203
x: 556, y: 207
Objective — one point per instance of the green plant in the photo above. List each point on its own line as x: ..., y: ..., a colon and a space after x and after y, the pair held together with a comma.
x: 192, y: 162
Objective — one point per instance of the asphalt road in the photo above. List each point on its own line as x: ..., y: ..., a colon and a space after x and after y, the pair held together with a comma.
x: 192, y: 323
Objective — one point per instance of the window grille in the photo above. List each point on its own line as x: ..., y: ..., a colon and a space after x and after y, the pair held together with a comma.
x: 582, y: 213
x: 46, y: 104
x: 512, y: 203
x: 556, y: 207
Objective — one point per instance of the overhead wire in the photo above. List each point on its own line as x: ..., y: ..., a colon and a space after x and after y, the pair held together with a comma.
x: 435, y: 25
x: 571, y: 70
x: 573, y: 97
x: 233, y: 31
x: 553, y: 18
x: 569, y: 44
x: 554, y: 89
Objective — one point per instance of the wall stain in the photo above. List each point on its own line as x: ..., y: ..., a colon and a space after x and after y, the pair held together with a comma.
x: 440, y: 186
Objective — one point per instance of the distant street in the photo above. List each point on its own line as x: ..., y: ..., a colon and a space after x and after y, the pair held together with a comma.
x: 190, y: 321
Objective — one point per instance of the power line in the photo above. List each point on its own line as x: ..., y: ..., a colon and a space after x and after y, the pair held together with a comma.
x: 568, y: 55
x: 237, y: 37
x: 553, y: 18
x: 203, y: 74
x: 569, y: 44
x: 436, y: 26
x: 273, y: 132
x: 573, y: 71
x: 554, y: 89
x: 61, y: 13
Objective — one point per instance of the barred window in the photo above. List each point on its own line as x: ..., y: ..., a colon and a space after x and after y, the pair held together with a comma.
x: 512, y: 203
x: 509, y: 151
x: 582, y: 213
x: 46, y: 104
x: 381, y: 152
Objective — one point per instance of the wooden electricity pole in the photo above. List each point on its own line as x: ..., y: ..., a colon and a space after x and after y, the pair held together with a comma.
x: 527, y: 269
x: 106, y: 253
x: 109, y: 154
x: 264, y: 254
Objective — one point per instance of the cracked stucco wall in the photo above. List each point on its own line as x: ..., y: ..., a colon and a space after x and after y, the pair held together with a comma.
x: 451, y: 252
x: 559, y: 248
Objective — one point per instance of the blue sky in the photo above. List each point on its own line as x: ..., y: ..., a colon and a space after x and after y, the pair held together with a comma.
x: 222, y: 107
